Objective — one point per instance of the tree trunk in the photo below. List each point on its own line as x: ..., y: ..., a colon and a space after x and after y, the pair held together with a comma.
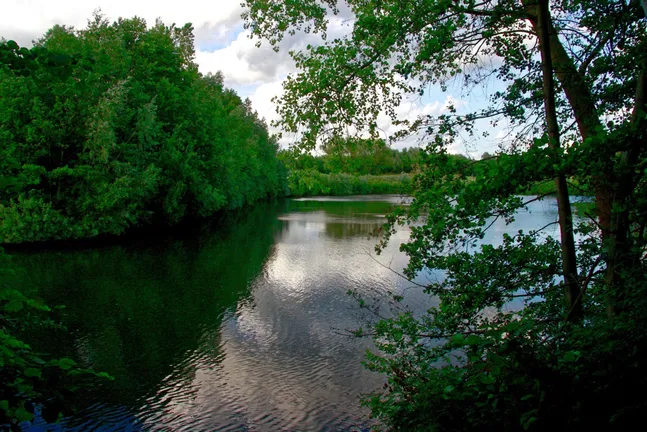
x: 620, y: 256
x: 569, y: 259
x: 614, y: 184
x: 582, y: 103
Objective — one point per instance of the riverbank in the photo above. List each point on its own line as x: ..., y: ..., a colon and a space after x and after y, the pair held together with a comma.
x: 309, y: 182
x: 304, y: 183
x: 188, y: 227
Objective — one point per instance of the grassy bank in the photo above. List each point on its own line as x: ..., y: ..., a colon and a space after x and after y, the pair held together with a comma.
x: 312, y: 183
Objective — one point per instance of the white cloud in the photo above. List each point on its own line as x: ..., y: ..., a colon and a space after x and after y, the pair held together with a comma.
x: 262, y: 99
x: 242, y: 63
x: 34, y: 17
x: 411, y: 109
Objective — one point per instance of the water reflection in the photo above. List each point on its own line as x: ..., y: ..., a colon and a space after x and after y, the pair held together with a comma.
x: 233, y: 328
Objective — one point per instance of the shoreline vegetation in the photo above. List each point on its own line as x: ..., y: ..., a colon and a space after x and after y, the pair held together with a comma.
x: 112, y: 127
x: 356, y: 166
x: 308, y: 183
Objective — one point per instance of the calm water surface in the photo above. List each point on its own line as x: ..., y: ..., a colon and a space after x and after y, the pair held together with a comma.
x: 235, y: 327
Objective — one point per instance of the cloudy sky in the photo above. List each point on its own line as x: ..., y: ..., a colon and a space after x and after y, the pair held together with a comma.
x: 222, y: 44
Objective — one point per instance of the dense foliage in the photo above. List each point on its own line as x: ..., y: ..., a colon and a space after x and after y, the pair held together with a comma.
x: 112, y: 126
x: 530, y: 332
x: 368, y: 156
x: 351, y: 167
x: 314, y: 183
x: 354, y: 166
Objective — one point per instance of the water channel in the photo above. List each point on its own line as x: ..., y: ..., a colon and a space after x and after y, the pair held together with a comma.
x: 231, y: 326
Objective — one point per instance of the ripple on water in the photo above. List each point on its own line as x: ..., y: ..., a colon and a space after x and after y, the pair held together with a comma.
x: 266, y: 358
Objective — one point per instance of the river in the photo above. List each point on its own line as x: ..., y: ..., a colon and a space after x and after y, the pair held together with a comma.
x: 231, y: 326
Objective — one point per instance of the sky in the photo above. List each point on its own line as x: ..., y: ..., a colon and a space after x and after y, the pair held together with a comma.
x: 222, y: 44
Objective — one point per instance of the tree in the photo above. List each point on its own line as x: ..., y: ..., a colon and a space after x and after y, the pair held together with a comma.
x: 585, y: 298
x: 112, y: 127
x: 358, y: 156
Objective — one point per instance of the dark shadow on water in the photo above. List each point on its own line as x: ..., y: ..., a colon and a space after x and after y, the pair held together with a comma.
x: 140, y: 310
x: 217, y: 324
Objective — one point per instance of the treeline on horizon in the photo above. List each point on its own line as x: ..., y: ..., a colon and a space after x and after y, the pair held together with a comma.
x: 112, y: 126
x: 362, y: 166
x: 358, y: 156
x: 354, y: 166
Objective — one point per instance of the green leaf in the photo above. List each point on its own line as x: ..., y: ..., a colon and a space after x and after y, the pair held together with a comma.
x: 38, y: 304
x: 105, y: 375
x: 571, y: 356
x: 22, y: 415
x: 14, y: 306
x: 473, y: 340
x: 458, y: 339
x: 66, y: 363
x: 32, y: 372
